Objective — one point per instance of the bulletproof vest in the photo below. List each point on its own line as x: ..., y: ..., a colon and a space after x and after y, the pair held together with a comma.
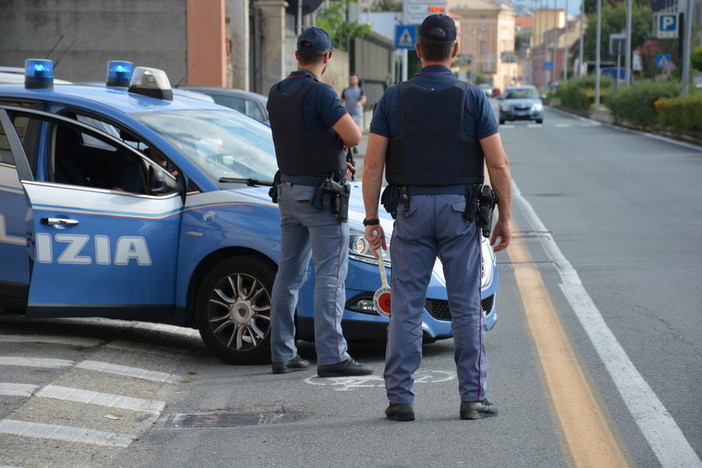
x: 298, y: 151
x: 431, y: 147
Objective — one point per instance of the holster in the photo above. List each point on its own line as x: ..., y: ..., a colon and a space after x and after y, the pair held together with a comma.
x: 273, y: 191
x: 390, y: 198
x: 488, y: 200
x: 337, y: 193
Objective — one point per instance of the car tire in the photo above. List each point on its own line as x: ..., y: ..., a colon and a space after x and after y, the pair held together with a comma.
x: 539, y: 121
x: 233, y: 310
x: 502, y: 121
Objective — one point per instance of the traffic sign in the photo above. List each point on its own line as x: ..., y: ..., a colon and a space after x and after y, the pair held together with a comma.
x: 548, y: 66
x: 662, y: 60
x: 667, y: 25
x: 405, y: 36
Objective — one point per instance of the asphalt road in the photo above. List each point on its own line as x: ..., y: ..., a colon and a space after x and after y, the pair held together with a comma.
x: 595, y: 353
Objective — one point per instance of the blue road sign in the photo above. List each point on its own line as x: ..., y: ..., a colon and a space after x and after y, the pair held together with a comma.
x: 548, y: 66
x: 405, y: 36
x: 667, y: 25
x: 662, y: 60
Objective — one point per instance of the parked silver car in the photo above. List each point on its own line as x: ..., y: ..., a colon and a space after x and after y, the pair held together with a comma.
x: 521, y: 103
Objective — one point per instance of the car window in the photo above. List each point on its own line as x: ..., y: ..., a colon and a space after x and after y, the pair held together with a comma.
x: 522, y: 93
x: 5, y: 151
x: 231, y: 102
x: 67, y: 154
x: 254, y: 110
x: 222, y: 143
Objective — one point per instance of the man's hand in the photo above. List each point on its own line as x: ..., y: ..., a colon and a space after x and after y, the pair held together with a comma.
x: 504, y: 231
x: 350, y: 171
x: 376, y: 237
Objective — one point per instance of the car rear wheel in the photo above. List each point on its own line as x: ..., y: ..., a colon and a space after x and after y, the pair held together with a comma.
x: 233, y: 310
x: 539, y: 121
x: 502, y: 121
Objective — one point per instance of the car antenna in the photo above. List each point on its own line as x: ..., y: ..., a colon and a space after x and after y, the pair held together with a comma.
x: 54, y: 47
x: 64, y: 53
x: 185, y: 75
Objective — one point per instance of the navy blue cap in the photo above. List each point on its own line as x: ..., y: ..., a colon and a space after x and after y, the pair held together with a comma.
x: 317, y: 38
x: 441, y: 22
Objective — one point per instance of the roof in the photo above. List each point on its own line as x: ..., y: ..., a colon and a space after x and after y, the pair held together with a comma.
x: 100, y: 96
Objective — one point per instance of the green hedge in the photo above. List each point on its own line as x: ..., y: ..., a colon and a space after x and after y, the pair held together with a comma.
x: 579, y: 93
x: 637, y: 103
x: 681, y: 112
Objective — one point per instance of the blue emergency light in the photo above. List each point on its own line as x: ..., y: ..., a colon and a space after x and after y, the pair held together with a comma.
x: 38, y: 74
x: 119, y: 73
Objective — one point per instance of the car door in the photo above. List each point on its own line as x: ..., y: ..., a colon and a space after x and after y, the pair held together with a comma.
x: 101, y: 241
x: 14, y: 261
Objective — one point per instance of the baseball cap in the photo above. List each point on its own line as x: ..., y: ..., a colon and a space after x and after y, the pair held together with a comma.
x: 442, y: 22
x: 317, y: 37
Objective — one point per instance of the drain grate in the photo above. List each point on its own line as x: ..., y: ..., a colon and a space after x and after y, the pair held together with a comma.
x: 229, y: 418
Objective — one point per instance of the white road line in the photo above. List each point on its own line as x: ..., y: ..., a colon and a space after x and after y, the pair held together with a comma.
x: 66, y: 340
x: 16, y: 389
x: 655, y: 422
x: 135, y: 372
x: 67, y: 433
x: 102, y: 399
x: 34, y: 362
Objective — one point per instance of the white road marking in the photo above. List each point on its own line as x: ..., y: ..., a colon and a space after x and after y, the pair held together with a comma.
x: 16, y: 389
x: 127, y: 371
x: 655, y: 422
x: 103, y: 399
x: 67, y: 433
x: 65, y: 340
x: 34, y: 362
x: 345, y: 384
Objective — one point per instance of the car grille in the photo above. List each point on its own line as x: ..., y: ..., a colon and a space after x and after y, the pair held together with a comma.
x: 439, y: 309
x: 521, y: 108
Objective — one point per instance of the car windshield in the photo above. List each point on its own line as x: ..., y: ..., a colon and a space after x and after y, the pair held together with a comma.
x: 222, y: 143
x: 521, y: 93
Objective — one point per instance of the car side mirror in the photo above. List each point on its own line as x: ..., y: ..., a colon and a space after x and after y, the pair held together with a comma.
x: 159, y: 184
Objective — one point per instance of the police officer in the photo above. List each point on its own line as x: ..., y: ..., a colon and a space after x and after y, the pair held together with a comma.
x: 433, y: 134
x: 310, y: 130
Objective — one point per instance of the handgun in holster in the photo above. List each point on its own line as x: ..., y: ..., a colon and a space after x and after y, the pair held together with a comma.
x: 273, y: 191
x: 488, y: 200
x: 472, y: 202
x: 338, y: 195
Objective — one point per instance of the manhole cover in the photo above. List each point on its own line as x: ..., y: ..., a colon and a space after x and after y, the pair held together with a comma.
x: 229, y: 418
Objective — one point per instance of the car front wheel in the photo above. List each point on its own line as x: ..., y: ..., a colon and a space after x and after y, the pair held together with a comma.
x: 233, y: 310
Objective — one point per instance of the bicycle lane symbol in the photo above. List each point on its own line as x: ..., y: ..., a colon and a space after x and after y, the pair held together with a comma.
x: 346, y: 384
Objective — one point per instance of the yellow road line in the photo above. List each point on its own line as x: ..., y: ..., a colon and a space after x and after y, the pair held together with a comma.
x: 589, y: 439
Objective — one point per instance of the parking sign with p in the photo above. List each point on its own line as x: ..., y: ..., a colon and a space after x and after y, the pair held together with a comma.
x: 667, y: 25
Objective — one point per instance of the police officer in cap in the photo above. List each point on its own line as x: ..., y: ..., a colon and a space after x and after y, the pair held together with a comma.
x: 310, y: 129
x: 432, y: 135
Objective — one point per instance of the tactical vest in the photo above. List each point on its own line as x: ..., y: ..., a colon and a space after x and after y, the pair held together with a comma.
x: 299, y: 151
x: 431, y: 148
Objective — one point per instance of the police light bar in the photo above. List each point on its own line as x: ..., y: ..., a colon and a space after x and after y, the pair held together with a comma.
x: 38, y: 74
x: 151, y: 82
x: 119, y: 73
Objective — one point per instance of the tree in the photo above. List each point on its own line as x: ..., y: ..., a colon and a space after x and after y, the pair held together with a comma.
x: 333, y: 20
x: 614, y: 22
x: 591, y: 5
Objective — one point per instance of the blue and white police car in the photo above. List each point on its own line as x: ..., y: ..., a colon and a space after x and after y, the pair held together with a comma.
x: 127, y: 202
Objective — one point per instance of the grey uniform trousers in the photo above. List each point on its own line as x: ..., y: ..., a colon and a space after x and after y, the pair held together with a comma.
x: 309, y: 233
x: 434, y: 226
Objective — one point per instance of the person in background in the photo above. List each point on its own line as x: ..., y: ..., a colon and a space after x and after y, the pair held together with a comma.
x: 354, y: 99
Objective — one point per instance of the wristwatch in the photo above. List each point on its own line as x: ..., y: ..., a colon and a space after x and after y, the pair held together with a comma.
x: 371, y: 222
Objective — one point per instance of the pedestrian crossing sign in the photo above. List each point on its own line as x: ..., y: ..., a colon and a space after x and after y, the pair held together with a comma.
x: 405, y: 36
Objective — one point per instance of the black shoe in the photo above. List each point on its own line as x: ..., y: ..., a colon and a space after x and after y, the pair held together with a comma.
x: 343, y: 368
x: 477, y: 409
x: 400, y: 412
x: 293, y: 365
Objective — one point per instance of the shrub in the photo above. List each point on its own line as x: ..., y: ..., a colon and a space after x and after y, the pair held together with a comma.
x: 579, y: 93
x: 681, y: 112
x: 637, y: 103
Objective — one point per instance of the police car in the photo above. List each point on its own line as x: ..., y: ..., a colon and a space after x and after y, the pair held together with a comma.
x: 127, y: 202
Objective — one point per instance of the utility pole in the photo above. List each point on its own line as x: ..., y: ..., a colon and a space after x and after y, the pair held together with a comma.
x: 582, y: 37
x: 687, y: 42
x: 598, y: 35
x: 627, y: 59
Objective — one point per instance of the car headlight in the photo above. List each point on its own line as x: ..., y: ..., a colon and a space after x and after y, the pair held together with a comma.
x: 360, y: 249
x: 487, y: 262
x: 537, y: 107
x: 505, y: 108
